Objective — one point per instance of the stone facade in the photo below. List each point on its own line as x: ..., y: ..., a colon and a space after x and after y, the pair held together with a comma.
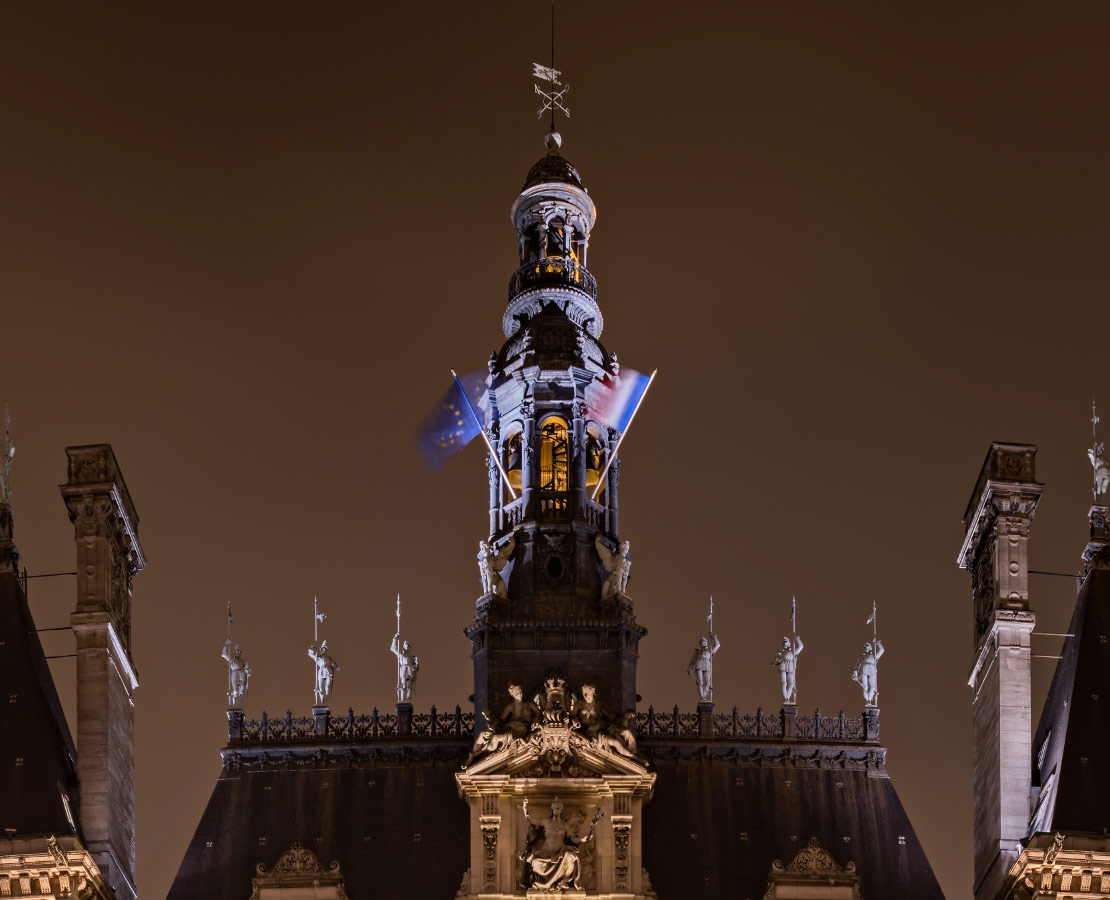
x: 109, y: 555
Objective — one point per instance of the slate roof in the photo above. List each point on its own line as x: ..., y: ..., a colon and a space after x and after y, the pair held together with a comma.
x: 1076, y: 721
x: 38, y: 762
x: 716, y: 825
x: 391, y: 817
x: 552, y: 169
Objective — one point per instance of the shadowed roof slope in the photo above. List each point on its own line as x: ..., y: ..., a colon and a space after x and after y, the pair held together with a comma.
x: 38, y: 763
x: 716, y: 824
x: 391, y: 817
x: 1074, y: 730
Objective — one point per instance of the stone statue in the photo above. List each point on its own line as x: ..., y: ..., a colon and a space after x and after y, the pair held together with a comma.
x: 619, y: 737
x: 787, y: 661
x: 239, y: 672
x: 866, y: 673
x: 407, y: 666
x: 1102, y: 472
x: 701, y: 666
x: 490, y: 564
x: 7, y: 453
x: 588, y: 711
x: 326, y: 667
x: 514, y: 724
x: 550, y: 857
x: 617, y: 565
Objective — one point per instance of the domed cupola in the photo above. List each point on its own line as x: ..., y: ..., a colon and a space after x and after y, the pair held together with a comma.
x: 553, y: 217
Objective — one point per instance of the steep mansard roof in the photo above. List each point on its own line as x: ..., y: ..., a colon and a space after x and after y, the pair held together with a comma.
x: 1074, y: 731
x: 388, y: 811
x: 38, y: 763
x: 720, y: 818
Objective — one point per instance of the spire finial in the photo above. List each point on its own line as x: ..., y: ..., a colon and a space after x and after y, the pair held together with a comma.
x: 7, y: 452
x: 552, y: 98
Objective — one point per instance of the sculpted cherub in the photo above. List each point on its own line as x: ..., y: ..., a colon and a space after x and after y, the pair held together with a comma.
x: 618, y: 565
x: 490, y: 564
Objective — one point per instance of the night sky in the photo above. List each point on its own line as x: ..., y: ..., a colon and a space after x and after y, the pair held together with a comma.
x: 244, y: 243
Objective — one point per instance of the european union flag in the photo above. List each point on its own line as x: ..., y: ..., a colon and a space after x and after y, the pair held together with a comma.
x: 453, y: 423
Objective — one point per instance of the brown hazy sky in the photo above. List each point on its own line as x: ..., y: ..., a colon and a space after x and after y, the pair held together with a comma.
x: 245, y: 242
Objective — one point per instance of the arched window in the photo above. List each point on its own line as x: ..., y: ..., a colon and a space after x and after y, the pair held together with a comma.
x: 595, y: 462
x: 554, y: 456
x: 514, y: 463
x: 556, y: 238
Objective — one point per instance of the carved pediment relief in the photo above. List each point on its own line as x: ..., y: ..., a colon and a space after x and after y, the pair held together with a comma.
x: 298, y: 869
x: 813, y: 865
x: 556, y: 751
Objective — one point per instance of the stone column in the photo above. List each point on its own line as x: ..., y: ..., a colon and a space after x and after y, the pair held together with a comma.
x: 527, y: 458
x: 578, y: 438
x: 614, y: 482
x: 789, y: 719
x: 622, y: 843
x: 495, y: 486
x: 995, y: 553
x: 108, y: 557
x: 320, y: 717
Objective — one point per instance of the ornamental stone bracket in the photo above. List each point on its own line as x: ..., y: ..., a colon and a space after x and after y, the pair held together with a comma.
x: 594, y: 795
x: 298, y: 874
x: 813, y: 873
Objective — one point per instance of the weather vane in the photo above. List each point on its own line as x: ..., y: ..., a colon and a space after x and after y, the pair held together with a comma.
x: 556, y: 90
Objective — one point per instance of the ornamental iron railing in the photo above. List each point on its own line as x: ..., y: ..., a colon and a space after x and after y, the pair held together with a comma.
x: 325, y: 727
x: 785, y: 725
x: 555, y: 271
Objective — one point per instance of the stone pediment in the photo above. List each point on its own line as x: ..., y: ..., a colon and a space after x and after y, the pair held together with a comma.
x: 560, y: 750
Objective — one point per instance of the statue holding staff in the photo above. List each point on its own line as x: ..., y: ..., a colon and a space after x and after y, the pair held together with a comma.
x: 866, y: 672
x: 407, y: 662
x: 701, y: 661
x: 7, y: 454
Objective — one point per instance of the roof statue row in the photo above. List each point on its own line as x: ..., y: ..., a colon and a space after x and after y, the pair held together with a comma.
x: 865, y: 673
x: 324, y: 666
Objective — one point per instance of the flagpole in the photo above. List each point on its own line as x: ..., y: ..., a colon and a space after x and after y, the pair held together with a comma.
x: 485, y: 437
x: 620, y: 440
x: 229, y: 649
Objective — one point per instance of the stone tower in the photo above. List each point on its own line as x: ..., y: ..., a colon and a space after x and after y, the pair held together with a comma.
x: 108, y: 557
x: 995, y: 553
x: 559, y: 611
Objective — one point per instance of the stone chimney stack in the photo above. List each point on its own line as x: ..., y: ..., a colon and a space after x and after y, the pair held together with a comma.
x: 108, y: 558
x: 995, y: 553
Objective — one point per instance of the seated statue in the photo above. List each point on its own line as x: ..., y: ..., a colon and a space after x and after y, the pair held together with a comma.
x: 514, y: 724
x: 588, y: 711
x: 550, y: 857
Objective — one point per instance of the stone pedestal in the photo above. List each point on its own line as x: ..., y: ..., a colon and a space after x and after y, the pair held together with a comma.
x: 871, y: 723
x: 234, y: 725
x: 320, y: 716
x: 705, y: 718
x: 404, y: 718
x: 789, y: 718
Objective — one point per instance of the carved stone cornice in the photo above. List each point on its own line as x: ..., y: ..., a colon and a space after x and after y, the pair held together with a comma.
x: 50, y: 867
x: 868, y: 759
x: 9, y: 555
x: 439, y: 751
x: 1006, y: 486
x: 1096, y: 555
x: 93, y: 473
x: 1053, y: 864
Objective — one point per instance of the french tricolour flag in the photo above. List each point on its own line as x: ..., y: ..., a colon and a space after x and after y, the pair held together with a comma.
x: 615, y: 408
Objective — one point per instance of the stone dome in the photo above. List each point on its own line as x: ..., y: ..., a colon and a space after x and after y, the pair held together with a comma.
x: 552, y: 168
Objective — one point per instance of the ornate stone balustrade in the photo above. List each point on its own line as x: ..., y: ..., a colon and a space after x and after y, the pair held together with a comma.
x: 322, y: 726
x: 552, y: 271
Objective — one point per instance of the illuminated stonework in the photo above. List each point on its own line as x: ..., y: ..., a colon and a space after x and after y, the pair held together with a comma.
x: 49, y: 867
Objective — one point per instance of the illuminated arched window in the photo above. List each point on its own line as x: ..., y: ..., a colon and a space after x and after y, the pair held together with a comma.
x: 595, y: 462
x: 513, y: 462
x: 554, y: 456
